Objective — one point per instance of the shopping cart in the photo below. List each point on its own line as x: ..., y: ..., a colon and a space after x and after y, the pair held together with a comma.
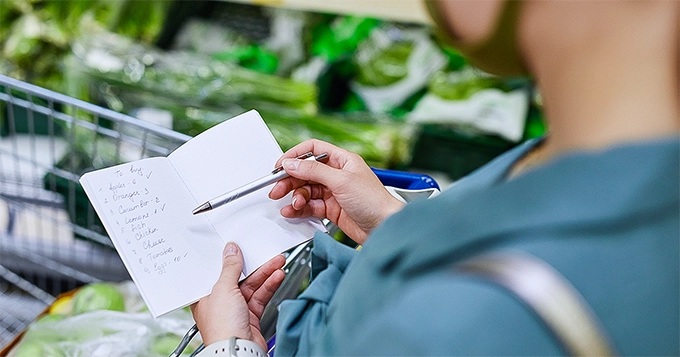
x: 51, y: 240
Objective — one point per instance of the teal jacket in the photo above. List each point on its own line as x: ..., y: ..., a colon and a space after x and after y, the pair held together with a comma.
x: 608, y: 221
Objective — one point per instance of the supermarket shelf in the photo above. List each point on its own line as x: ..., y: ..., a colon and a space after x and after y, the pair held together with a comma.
x: 396, y: 10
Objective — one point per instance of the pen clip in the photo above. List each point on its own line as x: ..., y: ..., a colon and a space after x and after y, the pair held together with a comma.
x: 301, y: 157
x: 321, y: 157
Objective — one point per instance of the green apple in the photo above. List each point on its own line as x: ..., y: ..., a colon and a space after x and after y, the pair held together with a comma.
x: 98, y: 296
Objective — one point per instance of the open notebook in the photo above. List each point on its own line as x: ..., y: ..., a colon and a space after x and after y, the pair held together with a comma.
x: 146, y: 206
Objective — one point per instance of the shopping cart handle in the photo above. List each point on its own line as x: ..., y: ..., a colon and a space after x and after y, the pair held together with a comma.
x: 405, y: 180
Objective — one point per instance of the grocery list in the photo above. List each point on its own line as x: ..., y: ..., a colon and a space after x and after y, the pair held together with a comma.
x: 147, y: 211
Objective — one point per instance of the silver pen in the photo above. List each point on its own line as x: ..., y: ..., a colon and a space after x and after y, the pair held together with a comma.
x: 277, y: 174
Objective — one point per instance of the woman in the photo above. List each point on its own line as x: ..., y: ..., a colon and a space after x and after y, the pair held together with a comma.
x: 597, y: 200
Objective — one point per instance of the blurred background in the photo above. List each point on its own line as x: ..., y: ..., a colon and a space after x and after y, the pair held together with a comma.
x: 370, y: 76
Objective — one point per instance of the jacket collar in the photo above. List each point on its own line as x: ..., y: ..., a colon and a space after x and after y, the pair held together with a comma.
x: 580, y: 190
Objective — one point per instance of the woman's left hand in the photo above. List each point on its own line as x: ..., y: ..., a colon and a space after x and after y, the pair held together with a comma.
x: 233, y: 310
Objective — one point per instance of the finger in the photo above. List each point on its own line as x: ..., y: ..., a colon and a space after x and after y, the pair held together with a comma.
x: 282, y: 187
x: 232, y: 265
x: 313, y: 145
x: 261, y: 297
x: 301, y: 196
x: 259, y: 276
x: 313, y: 208
x: 308, y: 210
x: 290, y: 212
x: 307, y: 193
x: 316, y: 172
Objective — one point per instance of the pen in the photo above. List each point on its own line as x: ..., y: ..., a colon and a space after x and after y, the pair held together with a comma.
x: 277, y: 174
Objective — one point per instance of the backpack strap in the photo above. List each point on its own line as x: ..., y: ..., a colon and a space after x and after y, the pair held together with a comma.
x: 549, y: 294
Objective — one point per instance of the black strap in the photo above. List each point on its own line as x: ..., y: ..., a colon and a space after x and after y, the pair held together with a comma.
x: 549, y: 294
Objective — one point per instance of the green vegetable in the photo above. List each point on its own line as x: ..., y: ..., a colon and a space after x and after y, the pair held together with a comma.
x: 461, y: 85
x: 341, y: 36
x: 186, y: 79
x: 251, y: 57
x: 385, y: 67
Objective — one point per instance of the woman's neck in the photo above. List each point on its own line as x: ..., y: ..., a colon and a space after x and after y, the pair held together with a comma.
x: 609, y: 83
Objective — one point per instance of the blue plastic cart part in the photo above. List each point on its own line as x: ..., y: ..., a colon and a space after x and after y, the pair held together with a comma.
x: 405, y: 180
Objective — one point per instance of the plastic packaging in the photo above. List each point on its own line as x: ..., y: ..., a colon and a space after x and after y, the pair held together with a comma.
x: 394, y: 64
x: 473, y: 101
x: 137, y: 73
x: 105, y: 333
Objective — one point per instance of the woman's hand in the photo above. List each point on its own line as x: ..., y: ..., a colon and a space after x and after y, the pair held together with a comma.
x: 231, y: 310
x: 344, y: 189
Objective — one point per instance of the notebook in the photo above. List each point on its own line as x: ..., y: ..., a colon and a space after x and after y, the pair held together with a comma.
x: 173, y: 256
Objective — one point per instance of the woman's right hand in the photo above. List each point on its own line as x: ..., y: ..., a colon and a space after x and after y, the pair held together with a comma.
x: 344, y: 189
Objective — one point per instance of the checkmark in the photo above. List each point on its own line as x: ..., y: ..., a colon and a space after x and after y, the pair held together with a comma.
x: 149, y: 175
x: 163, y: 207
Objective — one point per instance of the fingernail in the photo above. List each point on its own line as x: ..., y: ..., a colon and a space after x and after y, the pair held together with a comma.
x: 291, y: 164
x: 294, y: 200
x: 230, y: 249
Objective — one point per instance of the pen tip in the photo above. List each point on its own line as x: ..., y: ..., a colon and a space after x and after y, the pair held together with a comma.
x: 202, y: 208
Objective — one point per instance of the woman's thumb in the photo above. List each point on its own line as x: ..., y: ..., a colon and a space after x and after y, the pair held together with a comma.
x: 232, y: 263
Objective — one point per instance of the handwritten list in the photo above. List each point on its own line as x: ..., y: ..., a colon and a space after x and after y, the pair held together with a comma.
x: 144, y: 209
x: 135, y: 206
x: 146, y: 206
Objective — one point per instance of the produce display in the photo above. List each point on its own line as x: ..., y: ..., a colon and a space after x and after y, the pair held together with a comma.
x: 36, y: 34
x: 189, y: 78
x: 200, y: 92
x: 107, y: 320
x: 313, y: 72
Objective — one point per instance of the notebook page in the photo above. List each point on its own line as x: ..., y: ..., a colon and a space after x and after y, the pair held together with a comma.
x: 225, y: 157
x: 146, y: 210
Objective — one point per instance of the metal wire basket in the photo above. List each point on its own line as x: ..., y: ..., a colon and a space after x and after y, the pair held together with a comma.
x: 51, y: 240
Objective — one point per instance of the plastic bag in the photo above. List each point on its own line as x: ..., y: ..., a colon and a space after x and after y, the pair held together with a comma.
x: 106, y: 333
